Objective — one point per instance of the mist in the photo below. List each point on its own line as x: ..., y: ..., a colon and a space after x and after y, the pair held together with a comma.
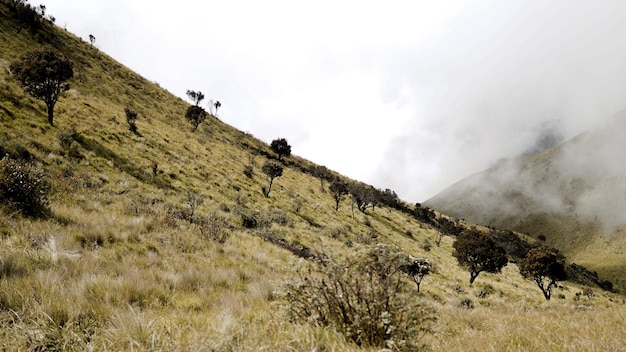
x: 506, y: 79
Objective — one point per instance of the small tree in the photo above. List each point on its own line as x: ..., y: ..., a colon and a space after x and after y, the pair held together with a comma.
x: 417, y: 270
x: 195, y: 115
x: 478, y: 252
x: 217, y: 106
x: 196, y: 97
x: 43, y: 74
x: 320, y: 172
x: 272, y: 170
x: 281, y: 147
x: 338, y: 189
x: 545, y: 266
x: 131, y: 119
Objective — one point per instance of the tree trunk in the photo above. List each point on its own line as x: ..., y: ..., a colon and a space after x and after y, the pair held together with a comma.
x: 473, y: 277
x: 50, y: 114
x: 269, y: 189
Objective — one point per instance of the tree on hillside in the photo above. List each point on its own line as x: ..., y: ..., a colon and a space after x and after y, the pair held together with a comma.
x: 281, y: 147
x: 478, y: 252
x: 545, y: 266
x: 131, y: 119
x: 195, y: 113
x: 338, y: 190
x: 363, y: 196
x: 417, y: 270
x: 272, y: 170
x: 320, y: 172
x: 217, y: 106
x: 196, y: 97
x: 43, y: 74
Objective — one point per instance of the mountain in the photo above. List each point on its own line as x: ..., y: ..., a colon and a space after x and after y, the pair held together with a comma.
x: 574, y: 194
x: 162, y: 239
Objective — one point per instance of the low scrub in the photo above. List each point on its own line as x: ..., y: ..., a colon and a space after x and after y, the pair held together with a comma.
x: 365, y: 298
x: 23, y: 187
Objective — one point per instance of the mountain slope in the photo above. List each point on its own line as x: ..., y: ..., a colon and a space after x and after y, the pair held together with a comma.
x: 117, y: 265
x: 574, y: 194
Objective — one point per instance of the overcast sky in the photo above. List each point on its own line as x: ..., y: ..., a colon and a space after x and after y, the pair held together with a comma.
x: 408, y: 95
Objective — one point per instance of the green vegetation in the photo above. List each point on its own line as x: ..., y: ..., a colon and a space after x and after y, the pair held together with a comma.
x: 158, y: 241
x: 477, y: 252
x: 43, y: 74
x: 281, y: 147
x: 271, y: 170
x: 545, y: 266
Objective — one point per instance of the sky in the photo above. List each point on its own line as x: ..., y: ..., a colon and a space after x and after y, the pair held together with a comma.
x: 409, y: 95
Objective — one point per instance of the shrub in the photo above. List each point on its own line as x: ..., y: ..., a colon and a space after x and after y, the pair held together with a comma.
x: 466, y: 303
x: 131, y: 119
x: 248, y: 170
x: 23, y: 187
x: 66, y: 138
x: 364, y: 298
x: 213, y: 228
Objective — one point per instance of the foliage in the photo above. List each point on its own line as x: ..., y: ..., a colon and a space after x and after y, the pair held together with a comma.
x: 214, y: 228
x: 320, y: 172
x: 196, y: 97
x: 26, y: 15
x: 272, y: 170
x: 363, y: 196
x: 67, y: 138
x: 364, y: 298
x: 417, y: 270
x: 195, y: 115
x: 131, y: 119
x: 193, y: 201
x: 23, y: 187
x: 338, y: 190
x: 281, y: 147
x: 478, y: 252
x: 545, y: 266
x: 43, y: 74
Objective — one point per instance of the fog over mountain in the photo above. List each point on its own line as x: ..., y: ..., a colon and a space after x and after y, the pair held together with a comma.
x: 583, y: 179
x: 507, y: 81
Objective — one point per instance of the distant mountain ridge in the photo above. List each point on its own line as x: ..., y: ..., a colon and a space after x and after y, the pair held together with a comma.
x: 573, y: 193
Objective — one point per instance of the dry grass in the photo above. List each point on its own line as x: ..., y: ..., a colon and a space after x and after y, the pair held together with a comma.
x: 117, y: 266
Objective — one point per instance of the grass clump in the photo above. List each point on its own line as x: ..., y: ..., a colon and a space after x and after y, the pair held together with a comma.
x: 365, y: 298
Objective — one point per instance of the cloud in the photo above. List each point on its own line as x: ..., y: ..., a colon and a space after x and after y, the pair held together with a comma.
x: 501, y: 76
x: 407, y: 95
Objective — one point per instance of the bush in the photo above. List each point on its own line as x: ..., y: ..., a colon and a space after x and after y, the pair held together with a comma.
x: 466, y: 303
x: 66, y: 138
x: 131, y: 119
x: 23, y: 187
x: 364, y: 298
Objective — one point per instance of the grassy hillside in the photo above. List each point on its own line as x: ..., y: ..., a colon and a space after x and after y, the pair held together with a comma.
x: 117, y: 265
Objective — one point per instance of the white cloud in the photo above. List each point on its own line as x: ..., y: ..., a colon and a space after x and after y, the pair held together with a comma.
x: 409, y: 95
